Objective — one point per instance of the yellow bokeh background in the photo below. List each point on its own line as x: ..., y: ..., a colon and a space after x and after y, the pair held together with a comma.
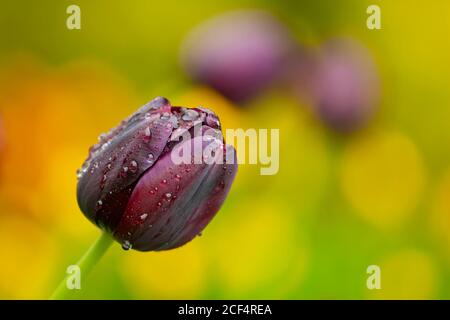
x: 339, y: 202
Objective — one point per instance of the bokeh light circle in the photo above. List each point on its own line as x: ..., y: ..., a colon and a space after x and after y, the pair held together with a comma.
x: 173, y: 274
x: 28, y: 259
x: 407, y: 274
x: 262, y: 250
x: 440, y: 213
x: 382, y: 176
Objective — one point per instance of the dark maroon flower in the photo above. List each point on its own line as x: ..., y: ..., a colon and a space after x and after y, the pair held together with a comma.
x: 140, y: 184
x: 239, y: 53
x: 345, y: 85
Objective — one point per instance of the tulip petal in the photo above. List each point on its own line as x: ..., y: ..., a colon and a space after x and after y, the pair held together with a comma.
x: 172, y: 202
x: 117, y: 162
x: 214, y: 191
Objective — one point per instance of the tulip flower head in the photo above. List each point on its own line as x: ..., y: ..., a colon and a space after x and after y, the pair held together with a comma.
x: 142, y: 184
x: 345, y: 86
x: 239, y: 54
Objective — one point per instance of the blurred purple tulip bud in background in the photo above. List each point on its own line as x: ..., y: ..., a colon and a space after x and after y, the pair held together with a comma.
x: 339, y: 81
x: 131, y: 187
x: 341, y: 84
x: 239, y: 54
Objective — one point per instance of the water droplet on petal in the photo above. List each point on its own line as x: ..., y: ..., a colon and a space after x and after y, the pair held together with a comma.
x: 150, y: 158
x: 144, y: 216
x: 190, y: 115
x: 165, y: 116
x: 126, y: 245
x: 152, y: 116
x: 147, y: 132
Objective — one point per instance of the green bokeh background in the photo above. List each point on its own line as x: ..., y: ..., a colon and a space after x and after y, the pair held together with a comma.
x: 338, y: 204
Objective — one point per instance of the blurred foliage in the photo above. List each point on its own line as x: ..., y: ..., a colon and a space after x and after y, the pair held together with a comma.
x: 338, y: 204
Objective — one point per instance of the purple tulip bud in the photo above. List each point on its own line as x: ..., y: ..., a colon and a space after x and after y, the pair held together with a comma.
x: 342, y: 84
x: 134, y: 186
x: 239, y: 53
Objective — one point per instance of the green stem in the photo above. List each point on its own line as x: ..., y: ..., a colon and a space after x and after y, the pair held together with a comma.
x: 86, y: 263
